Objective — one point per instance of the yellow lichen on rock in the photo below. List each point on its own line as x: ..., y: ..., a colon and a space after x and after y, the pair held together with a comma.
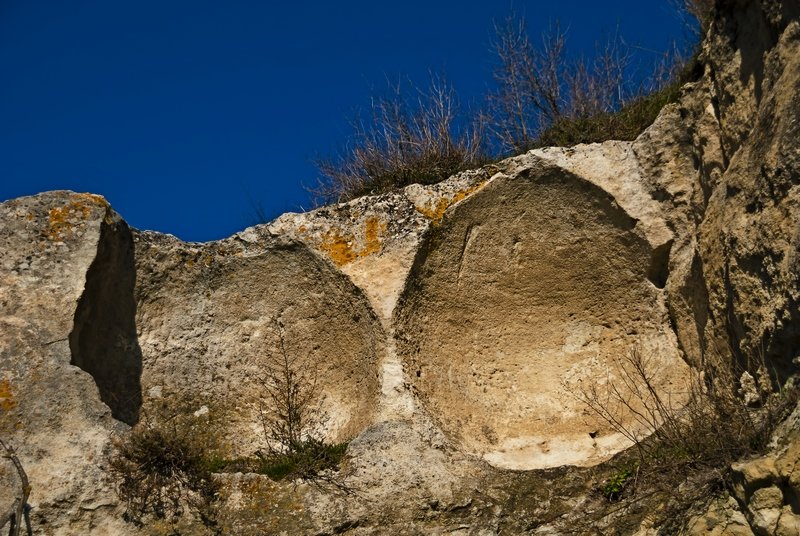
x: 338, y: 247
x: 62, y: 219
x: 375, y: 229
x: 341, y: 247
x: 7, y: 402
x: 435, y: 211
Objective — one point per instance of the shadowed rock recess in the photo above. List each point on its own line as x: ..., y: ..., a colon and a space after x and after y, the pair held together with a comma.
x: 450, y: 330
x: 103, y: 340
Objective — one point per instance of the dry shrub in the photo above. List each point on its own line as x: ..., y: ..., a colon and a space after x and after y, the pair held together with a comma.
x: 290, y: 406
x: 687, y: 440
x: 529, y: 83
x: 542, y: 98
x: 404, y: 140
x: 695, y: 14
x: 164, y: 468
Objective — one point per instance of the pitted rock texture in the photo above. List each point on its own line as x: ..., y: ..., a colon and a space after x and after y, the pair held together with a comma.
x: 51, y: 411
x: 526, y: 293
x: 750, y: 238
x: 213, y: 317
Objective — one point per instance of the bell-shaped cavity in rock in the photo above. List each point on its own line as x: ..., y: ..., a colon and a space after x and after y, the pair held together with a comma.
x: 530, y: 295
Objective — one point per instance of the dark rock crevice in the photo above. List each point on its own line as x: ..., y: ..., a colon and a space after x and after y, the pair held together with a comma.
x: 103, y: 341
x: 658, y: 271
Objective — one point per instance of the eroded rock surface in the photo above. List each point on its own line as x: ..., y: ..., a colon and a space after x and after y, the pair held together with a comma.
x: 212, y: 318
x: 525, y: 294
x: 50, y: 410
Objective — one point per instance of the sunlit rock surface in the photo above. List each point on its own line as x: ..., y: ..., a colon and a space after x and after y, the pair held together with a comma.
x: 452, y: 330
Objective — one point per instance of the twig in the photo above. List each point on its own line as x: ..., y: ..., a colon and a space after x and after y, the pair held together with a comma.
x: 21, y: 508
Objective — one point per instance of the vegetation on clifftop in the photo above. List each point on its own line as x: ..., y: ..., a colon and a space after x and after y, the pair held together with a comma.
x: 539, y: 97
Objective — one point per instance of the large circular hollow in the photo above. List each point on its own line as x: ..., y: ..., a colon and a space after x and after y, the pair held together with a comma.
x: 221, y: 332
x: 528, y: 294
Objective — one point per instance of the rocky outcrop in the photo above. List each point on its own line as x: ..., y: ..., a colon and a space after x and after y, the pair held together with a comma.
x: 451, y: 330
x: 749, y: 240
x: 764, y: 498
x: 50, y: 410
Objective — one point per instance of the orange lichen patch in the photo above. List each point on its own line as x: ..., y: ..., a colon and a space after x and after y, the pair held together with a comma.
x: 59, y: 220
x: 29, y: 217
x: 375, y: 229
x: 436, y: 211
x: 338, y: 247
x: 62, y: 219
x: 302, y: 229
x: 98, y: 200
x: 341, y: 247
x: 7, y: 402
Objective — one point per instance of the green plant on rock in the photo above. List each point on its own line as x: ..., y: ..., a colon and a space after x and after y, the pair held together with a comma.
x: 688, y: 445
x: 616, y: 484
x: 309, y: 461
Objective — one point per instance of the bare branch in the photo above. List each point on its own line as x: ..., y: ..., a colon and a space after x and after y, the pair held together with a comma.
x: 19, y: 511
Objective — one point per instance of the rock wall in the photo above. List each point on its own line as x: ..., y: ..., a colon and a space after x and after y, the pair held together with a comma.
x: 50, y: 410
x: 522, y: 296
x: 103, y: 340
x: 450, y: 330
x: 749, y: 240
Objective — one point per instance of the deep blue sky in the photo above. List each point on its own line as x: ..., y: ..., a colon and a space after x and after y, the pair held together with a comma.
x: 180, y: 112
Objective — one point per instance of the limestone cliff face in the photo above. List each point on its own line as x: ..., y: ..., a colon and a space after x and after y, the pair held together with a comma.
x: 57, y: 416
x: 450, y: 328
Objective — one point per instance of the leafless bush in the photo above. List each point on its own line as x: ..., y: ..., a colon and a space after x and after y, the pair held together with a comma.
x: 19, y: 512
x: 537, y: 86
x: 290, y: 408
x: 541, y: 97
x: 529, y: 84
x: 404, y: 140
x: 598, y: 85
x: 718, y: 417
x: 696, y: 14
x: 292, y: 416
